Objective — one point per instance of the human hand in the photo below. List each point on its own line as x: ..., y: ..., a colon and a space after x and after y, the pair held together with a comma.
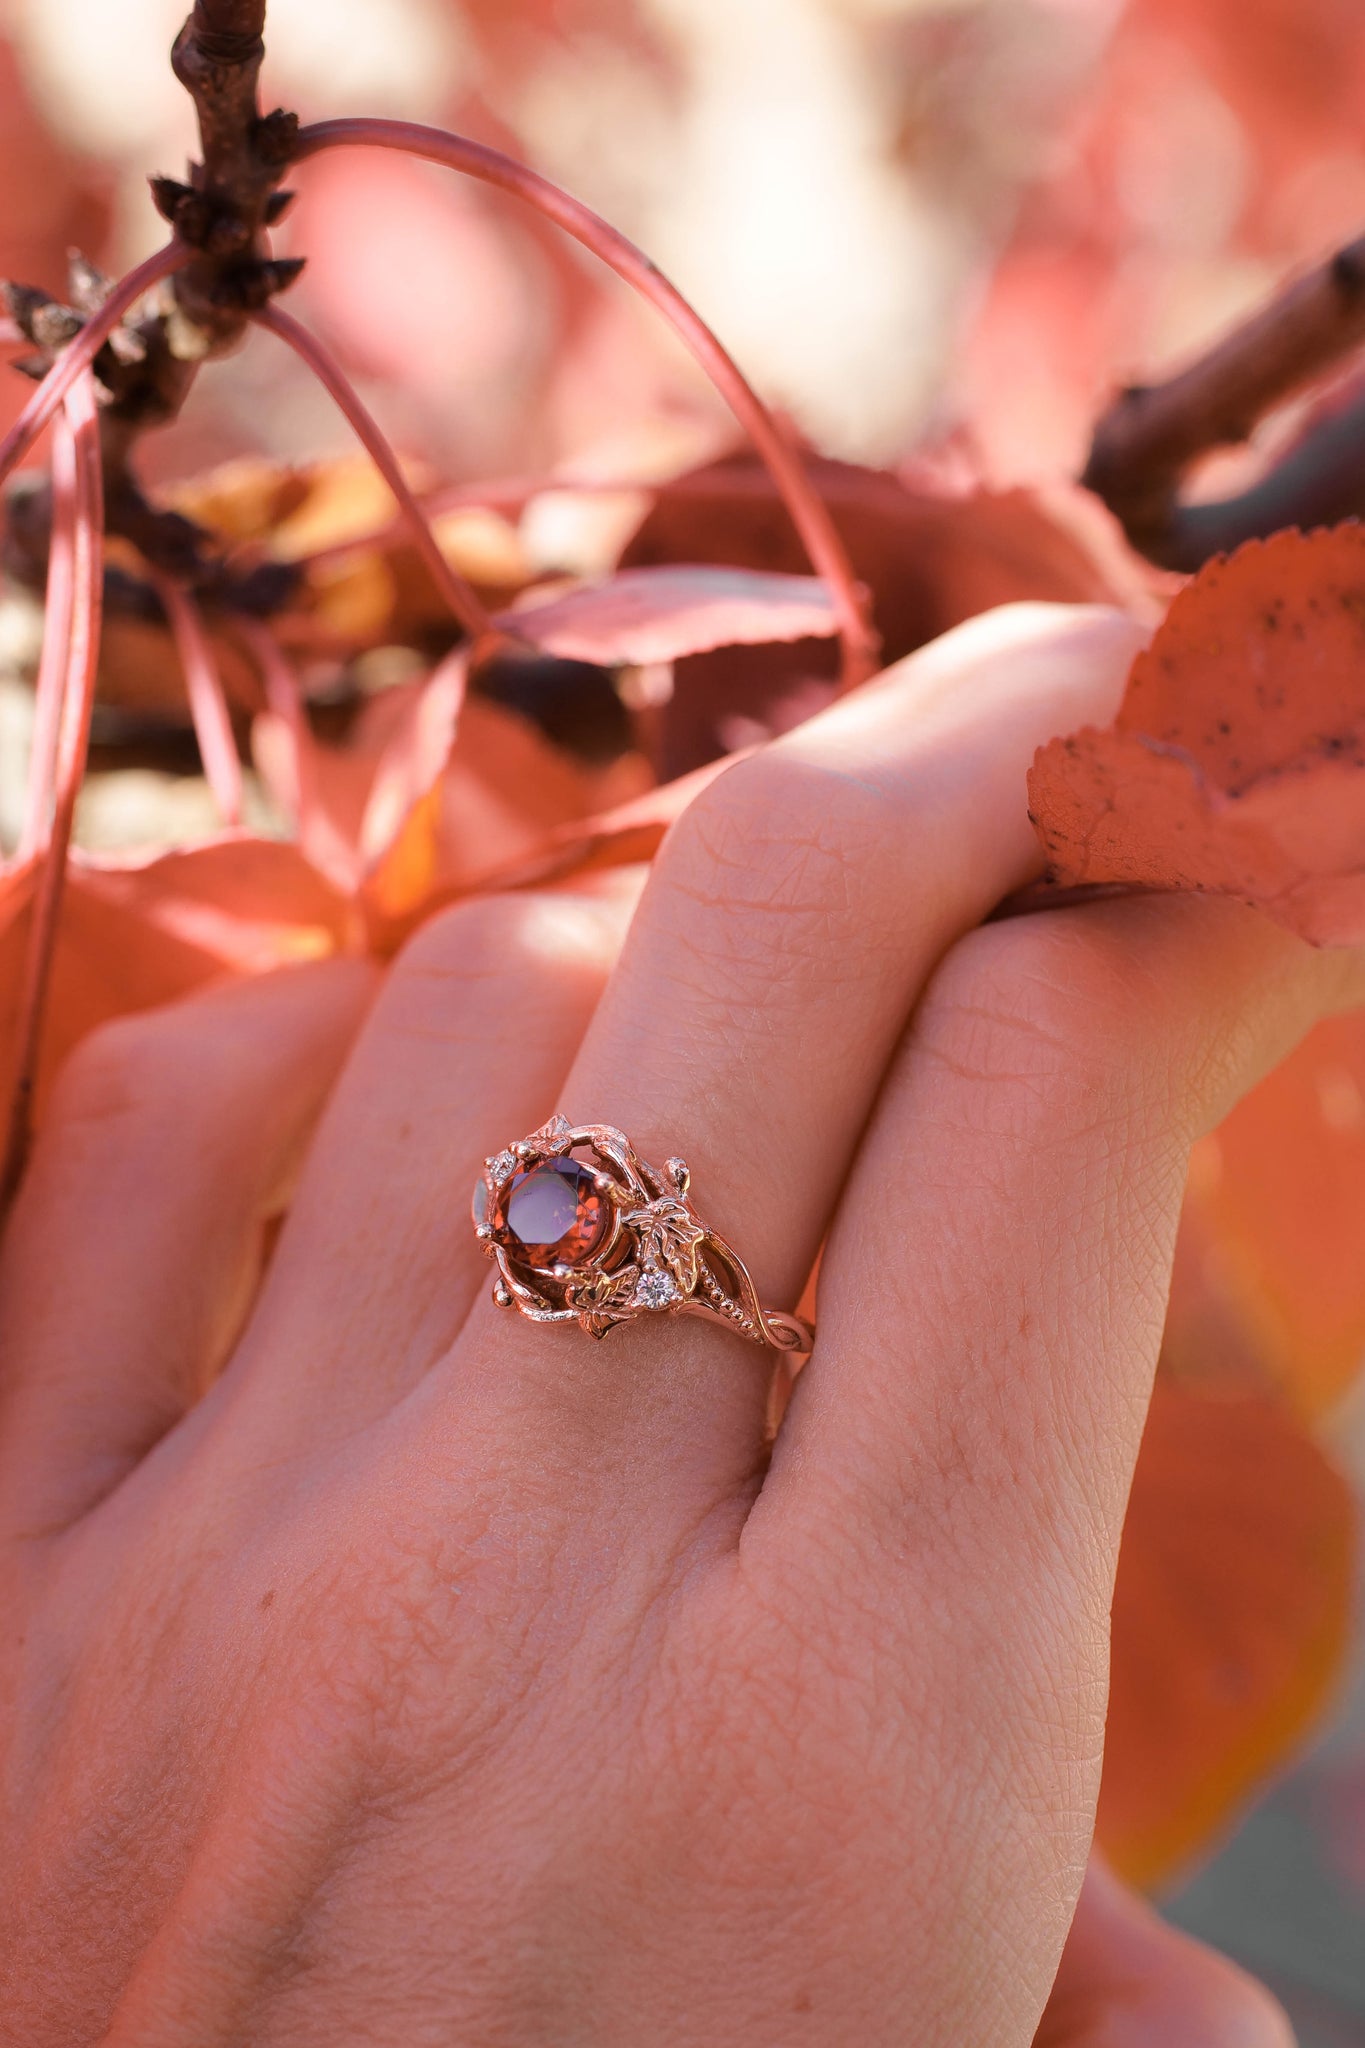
x: 435, y: 1677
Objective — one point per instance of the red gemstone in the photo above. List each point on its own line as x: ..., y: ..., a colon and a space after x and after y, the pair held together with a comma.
x: 554, y: 1214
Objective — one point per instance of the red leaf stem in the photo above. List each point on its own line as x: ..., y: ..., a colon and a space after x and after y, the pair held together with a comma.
x: 319, y: 839
x: 49, y: 694
x: 463, y: 601
x: 73, y: 743
x: 79, y: 354
x: 282, y: 692
x: 828, y: 555
x: 204, y: 688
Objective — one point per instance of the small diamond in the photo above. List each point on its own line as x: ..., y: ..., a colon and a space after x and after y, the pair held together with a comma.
x: 655, y: 1290
x: 505, y: 1163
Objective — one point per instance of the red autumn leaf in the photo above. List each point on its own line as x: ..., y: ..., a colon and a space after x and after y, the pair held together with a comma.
x: 929, y: 557
x: 1237, y: 761
x: 657, y: 615
x: 1232, y: 1615
x: 135, y: 933
x: 1271, y: 1271
x: 507, y: 806
x: 413, y: 761
x: 623, y: 834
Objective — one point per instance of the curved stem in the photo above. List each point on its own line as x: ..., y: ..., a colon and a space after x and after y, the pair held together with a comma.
x: 72, y: 747
x: 79, y: 354
x: 318, y: 837
x: 809, y: 514
x: 463, y: 601
x: 204, y: 688
x: 50, y: 692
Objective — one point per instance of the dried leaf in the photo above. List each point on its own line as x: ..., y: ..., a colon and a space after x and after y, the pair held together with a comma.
x: 1235, y: 763
x: 929, y: 557
x: 629, y: 833
x: 657, y: 615
x: 498, y: 806
x: 135, y: 933
x: 1271, y: 1272
x: 1231, y: 1620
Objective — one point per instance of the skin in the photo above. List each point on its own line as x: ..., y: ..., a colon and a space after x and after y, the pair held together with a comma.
x: 380, y: 1667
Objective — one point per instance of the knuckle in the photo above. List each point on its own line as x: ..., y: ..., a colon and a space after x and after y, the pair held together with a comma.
x: 465, y: 941
x: 118, y: 1071
x: 788, y: 840
x: 491, y: 938
x: 1053, y: 1008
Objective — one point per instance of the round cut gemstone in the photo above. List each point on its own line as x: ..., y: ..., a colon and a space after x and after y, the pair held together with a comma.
x: 555, y: 1214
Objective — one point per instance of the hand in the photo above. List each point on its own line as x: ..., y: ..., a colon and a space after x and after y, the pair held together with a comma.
x: 384, y: 1668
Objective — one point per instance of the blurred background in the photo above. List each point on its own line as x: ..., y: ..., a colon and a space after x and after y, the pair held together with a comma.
x: 945, y: 222
x: 935, y: 232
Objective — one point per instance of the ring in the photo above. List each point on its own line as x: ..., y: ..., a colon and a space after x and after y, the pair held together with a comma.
x: 583, y: 1230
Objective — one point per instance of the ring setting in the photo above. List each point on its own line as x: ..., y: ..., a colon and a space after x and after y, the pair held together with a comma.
x: 584, y: 1230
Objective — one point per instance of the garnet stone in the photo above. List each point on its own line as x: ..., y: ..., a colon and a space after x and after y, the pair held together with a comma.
x: 554, y: 1214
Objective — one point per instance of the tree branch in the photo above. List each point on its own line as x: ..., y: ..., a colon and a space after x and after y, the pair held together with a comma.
x: 232, y: 196
x: 1152, y: 435
x: 223, y: 274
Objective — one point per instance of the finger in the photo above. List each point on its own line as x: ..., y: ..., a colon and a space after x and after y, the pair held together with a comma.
x: 471, y: 1036
x: 784, y: 934
x: 994, y: 1289
x: 956, y: 1458
x: 136, y: 1239
x: 1128, y: 1980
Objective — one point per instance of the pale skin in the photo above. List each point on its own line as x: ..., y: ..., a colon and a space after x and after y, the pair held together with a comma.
x: 379, y: 1667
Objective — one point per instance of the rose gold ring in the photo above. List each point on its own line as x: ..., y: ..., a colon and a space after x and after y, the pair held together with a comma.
x: 583, y: 1230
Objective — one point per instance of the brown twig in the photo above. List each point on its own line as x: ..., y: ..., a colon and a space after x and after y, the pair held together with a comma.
x: 1153, y: 434
x: 232, y: 197
x: 222, y: 273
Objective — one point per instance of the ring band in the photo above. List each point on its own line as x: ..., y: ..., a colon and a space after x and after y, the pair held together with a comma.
x: 584, y: 1230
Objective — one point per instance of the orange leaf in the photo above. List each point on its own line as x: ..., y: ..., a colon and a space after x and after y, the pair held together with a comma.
x: 499, y: 810
x: 1231, y: 1620
x: 1273, y: 1236
x: 1235, y: 763
x: 657, y: 615
x: 930, y: 558
x: 136, y: 933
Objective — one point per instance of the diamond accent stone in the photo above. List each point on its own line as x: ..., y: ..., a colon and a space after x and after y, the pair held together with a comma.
x: 655, y: 1290
x: 505, y: 1163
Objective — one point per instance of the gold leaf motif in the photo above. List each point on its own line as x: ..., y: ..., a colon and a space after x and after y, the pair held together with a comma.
x: 667, y: 1235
